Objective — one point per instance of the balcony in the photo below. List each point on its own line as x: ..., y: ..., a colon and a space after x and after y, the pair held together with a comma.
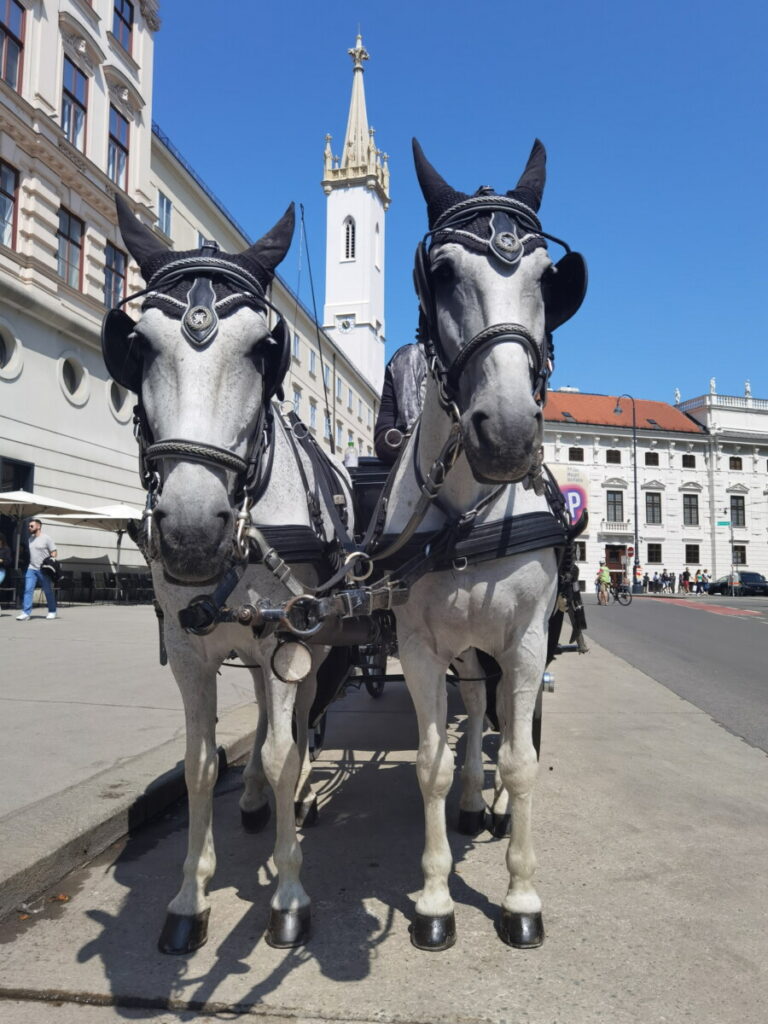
x: 616, y: 527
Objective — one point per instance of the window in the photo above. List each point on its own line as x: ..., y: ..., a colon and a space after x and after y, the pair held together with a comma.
x: 70, y: 236
x: 339, y: 435
x: 654, y: 554
x: 326, y: 375
x: 349, y: 239
x: 296, y: 347
x: 339, y: 388
x: 581, y: 550
x: 689, y: 462
x: 615, y: 506
x: 575, y: 454
x: 297, y: 401
x: 74, y: 103
x: 122, y: 23
x: 115, y: 263
x: 164, y: 209
x: 613, y: 457
x: 368, y: 412
x: 739, y: 554
x: 651, y: 458
x: 350, y: 398
x: 738, y: 510
x: 11, y: 41
x: 312, y: 414
x: 734, y: 462
x: 9, y: 184
x: 117, y: 157
x: 312, y: 362
x: 692, y: 554
x: 690, y: 510
x: 327, y: 427
x: 359, y: 408
x: 653, y: 508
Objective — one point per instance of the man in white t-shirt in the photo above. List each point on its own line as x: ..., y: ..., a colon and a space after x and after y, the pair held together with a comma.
x: 40, y: 547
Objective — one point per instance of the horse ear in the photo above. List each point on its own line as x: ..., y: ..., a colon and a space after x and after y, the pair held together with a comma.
x: 140, y: 242
x: 272, y: 247
x: 530, y: 187
x: 435, y: 189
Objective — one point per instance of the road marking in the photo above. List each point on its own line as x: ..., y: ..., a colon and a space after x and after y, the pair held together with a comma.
x: 717, y: 609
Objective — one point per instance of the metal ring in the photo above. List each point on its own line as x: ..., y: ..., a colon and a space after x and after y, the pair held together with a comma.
x: 296, y: 434
x: 460, y: 568
x: 353, y: 556
x: 399, y: 437
x: 286, y: 622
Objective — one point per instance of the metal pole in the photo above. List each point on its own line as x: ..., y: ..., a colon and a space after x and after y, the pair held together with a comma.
x: 636, y: 586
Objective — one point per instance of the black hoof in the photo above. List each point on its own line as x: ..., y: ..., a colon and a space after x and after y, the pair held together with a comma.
x: 289, y: 928
x: 433, y: 933
x: 254, y: 821
x: 523, y: 931
x: 501, y: 825
x: 306, y: 812
x: 472, y: 823
x: 183, y: 933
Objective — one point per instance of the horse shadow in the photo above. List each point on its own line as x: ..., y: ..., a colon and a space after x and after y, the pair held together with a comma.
x: 361, y: 869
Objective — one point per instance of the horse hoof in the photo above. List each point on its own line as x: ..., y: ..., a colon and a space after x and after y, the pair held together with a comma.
x: 254, y: 821
x: 306, y: 812
x: 523, y: 931
x: 433, y: 933
x: 501, y: 825
x: 289, y: 928
x: 183, y: 933
x: 472, y: 823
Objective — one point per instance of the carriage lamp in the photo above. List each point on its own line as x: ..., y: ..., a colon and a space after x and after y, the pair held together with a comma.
x: 636, y: 586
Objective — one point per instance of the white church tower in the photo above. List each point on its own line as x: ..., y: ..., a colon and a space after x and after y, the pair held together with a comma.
x: 357, y: 186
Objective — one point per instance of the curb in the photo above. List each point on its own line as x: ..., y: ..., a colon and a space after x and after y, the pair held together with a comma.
x: 43, y: 842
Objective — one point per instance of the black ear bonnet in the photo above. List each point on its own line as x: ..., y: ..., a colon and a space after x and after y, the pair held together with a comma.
x: 506, y: 225
x: 199, y: 288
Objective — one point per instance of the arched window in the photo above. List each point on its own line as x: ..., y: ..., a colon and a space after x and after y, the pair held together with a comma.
x: 349, y: 239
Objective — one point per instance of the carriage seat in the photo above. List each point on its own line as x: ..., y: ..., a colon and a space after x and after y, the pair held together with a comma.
x: 368, y: 479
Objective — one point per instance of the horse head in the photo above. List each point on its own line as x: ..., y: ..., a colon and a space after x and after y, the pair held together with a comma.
x: 205, y: 364
x: 490, y: 298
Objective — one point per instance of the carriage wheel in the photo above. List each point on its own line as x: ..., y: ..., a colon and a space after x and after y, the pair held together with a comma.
x: 374, y: 663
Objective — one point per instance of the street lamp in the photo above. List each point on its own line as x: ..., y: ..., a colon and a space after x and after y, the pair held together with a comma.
x: 636, y: 587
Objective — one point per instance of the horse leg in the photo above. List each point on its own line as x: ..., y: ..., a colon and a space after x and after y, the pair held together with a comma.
x: 501, y: 819
x: 289, y: 920
x: 472, y: 810
x: 520, y: 923
x: 434, y: 926
x: 254, y: 805
x: 186, y: 923
x: 305, y: 799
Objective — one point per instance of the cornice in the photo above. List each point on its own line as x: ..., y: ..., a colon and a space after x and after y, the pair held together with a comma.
x: 150, y: 10
x: 614, y: 481
x: 123, y: 91
x: 79, y: 44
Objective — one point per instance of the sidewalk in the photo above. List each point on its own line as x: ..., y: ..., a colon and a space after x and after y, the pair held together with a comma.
x: 91, y: 737
x: 650, y: 833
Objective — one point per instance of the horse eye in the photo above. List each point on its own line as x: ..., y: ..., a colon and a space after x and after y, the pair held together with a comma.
x: 443, y: 273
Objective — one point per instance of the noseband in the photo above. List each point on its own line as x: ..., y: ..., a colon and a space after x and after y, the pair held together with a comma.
x: 505, y: 247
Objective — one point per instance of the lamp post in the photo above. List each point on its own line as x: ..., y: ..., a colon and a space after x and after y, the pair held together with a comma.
x: 617, y: 411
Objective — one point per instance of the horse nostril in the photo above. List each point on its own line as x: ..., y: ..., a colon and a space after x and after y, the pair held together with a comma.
x: 479, y: 424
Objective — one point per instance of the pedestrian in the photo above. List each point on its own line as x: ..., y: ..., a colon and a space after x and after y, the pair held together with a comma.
x: 672, y: 582
x: 646, y: 582
x: 6, y: 559
x: 705, y: 578
x: 40, y: 547
x: 656, y: 583
x: 685, y: 578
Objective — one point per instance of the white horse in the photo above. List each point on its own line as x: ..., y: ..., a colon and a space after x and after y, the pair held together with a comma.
x: 205, y: 363
x: 490, y: 297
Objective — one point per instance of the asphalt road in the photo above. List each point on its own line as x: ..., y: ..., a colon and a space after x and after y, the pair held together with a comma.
x: 712, y: 651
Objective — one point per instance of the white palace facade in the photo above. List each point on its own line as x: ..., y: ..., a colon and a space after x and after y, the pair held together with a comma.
x: 702, y: 479
x: 75, y: 128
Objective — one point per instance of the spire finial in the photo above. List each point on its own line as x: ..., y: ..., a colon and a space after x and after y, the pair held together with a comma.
x: 358, y: 53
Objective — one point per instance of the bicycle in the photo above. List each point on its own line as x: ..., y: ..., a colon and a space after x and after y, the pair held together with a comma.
x: 621, y: 594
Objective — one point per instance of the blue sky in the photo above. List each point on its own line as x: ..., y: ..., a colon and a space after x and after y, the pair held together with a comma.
x: 653, y: 114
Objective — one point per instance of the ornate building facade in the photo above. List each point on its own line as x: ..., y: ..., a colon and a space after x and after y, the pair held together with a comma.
x: 702, y: 479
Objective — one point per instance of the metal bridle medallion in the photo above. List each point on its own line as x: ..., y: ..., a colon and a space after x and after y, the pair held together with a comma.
x: 199, y: 318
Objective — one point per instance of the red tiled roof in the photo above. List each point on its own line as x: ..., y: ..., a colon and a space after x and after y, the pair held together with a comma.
x: 598, y: 409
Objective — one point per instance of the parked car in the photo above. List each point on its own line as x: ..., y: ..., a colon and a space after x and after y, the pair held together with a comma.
x: 740, y: 583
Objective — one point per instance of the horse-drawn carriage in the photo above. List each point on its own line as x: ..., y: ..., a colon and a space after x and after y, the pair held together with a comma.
x: 250, y: 533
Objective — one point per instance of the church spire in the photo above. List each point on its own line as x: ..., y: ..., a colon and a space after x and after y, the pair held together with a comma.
x: 361, y: 162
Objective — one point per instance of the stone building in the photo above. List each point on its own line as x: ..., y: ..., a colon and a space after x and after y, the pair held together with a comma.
x: 75, y: 128
x: 702, y: 479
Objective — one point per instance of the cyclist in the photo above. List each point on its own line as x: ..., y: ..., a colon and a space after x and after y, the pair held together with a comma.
x: 604, y: 583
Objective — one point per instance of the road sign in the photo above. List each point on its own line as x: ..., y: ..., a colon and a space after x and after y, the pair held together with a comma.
x: 630, y: 551
x: 724, y: 522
